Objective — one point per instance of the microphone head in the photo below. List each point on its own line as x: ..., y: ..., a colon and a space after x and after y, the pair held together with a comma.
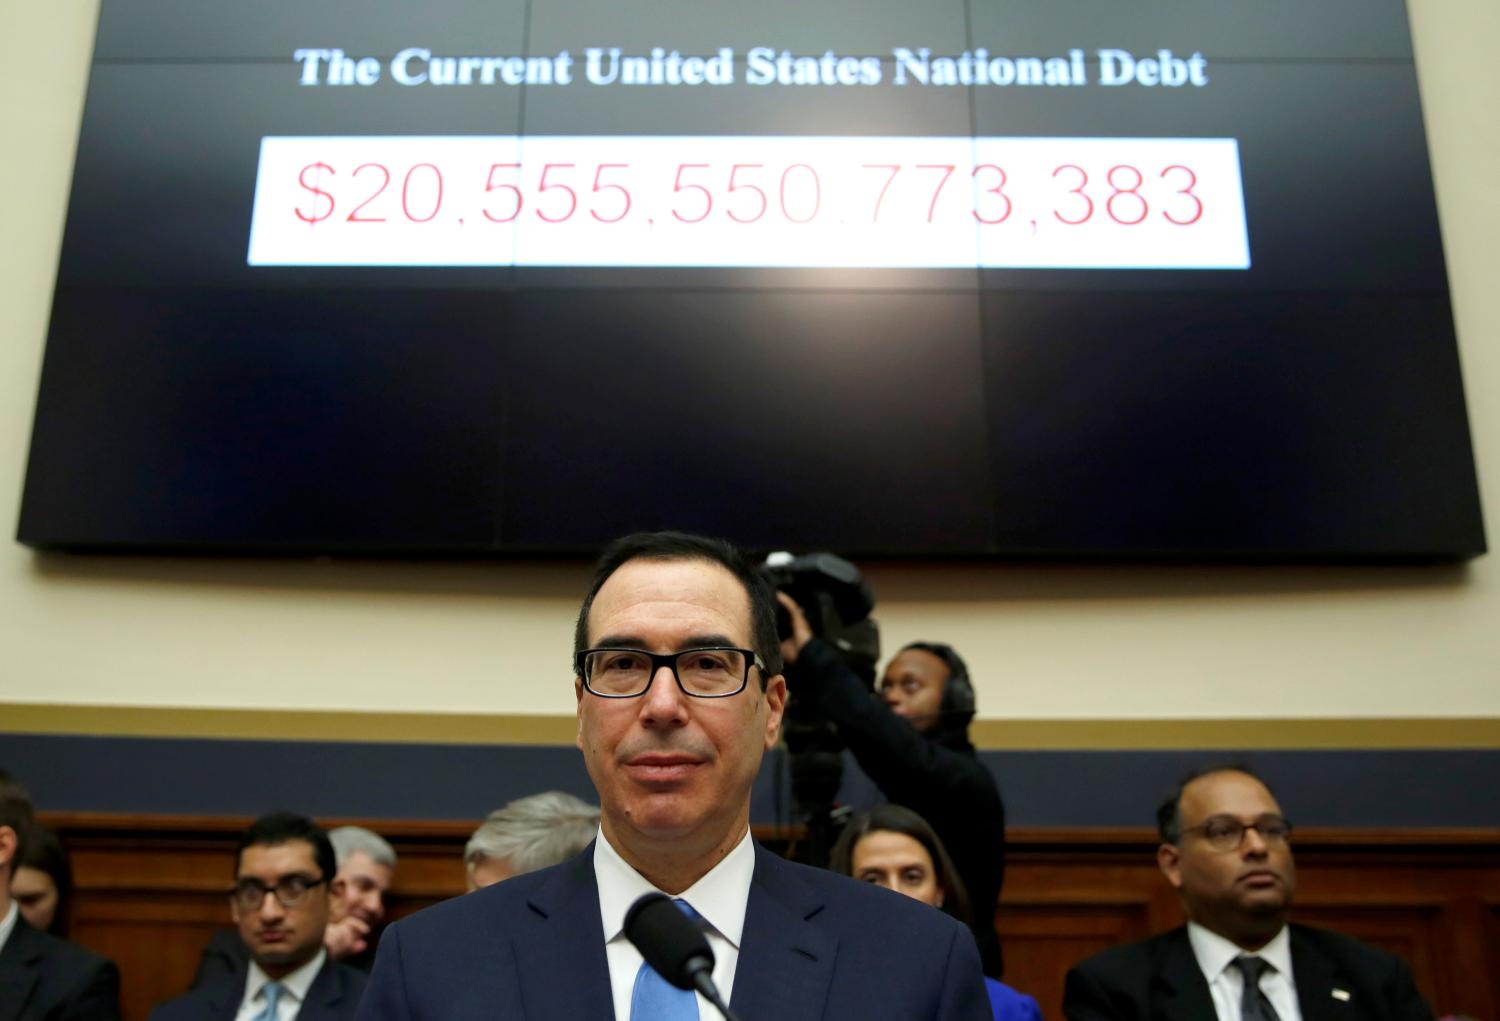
x: 669, y: 940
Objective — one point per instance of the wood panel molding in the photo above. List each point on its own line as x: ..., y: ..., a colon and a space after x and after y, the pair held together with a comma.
x: 1343, y: 732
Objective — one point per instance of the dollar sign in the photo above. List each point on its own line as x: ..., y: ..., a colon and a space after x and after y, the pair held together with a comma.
x: 317, y: 193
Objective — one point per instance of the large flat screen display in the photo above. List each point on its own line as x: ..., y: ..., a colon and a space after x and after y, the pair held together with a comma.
x: 1058, y: 278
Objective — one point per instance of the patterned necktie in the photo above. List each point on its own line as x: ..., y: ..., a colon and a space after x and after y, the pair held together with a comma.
x: 1254, y: 1006
x: 656, y: 999
x: 272, y: 991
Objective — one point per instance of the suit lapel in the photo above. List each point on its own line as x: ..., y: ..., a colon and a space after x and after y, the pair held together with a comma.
x: 786, y: 961
x: 562, y: 969
x: 1179, y: 991
x: 324, y: 994
x: 223, y: 997
x: 226, y: 1006
x: 1316, y: 978
x: 18, y: 971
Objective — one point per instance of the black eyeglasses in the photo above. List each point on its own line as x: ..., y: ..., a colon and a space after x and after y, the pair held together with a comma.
x: 1226, y: 833
x: 291, y: 891
x: 713, y: 672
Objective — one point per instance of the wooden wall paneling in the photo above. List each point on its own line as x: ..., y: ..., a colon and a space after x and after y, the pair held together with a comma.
x: 1065, y: 900
x: 151, y: 890
x: 1043, y: 940
x: 156, y: 937
x: 1486, y: 911
x: 1420, y: 902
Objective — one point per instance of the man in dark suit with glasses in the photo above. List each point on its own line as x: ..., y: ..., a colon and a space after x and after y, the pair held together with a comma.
x: 1226, y: 848
x: 677, y: 675
x: 280, y: 903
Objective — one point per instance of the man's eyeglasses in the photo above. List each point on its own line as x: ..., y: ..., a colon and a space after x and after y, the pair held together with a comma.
x: 1226, y: 833
x: 291, y: 891
x: 715, y: 672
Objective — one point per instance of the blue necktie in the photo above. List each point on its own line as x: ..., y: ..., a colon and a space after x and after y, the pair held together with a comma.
x: 656, y: 999
x: 273, y: 993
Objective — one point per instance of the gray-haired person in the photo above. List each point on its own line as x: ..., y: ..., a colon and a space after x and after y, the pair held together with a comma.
x: 365, y: 864
x: 366, y: 867
x: 528, y: 834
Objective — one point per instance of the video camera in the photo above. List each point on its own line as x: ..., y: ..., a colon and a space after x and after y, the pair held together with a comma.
x: 837, y: 602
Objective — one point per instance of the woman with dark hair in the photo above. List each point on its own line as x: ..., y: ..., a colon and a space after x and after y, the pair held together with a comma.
x: 895, y: 847
x: 43, y: 882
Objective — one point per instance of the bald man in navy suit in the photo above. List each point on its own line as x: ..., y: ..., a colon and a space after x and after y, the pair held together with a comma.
x: 1226, y: 848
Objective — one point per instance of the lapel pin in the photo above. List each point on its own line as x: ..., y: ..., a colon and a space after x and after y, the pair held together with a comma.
x: 1341, y: 995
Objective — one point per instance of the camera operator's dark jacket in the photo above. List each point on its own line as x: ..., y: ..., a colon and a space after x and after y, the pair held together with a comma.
x: 936, y: 775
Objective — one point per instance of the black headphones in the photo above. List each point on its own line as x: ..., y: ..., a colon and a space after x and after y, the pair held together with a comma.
x: 958, y: 691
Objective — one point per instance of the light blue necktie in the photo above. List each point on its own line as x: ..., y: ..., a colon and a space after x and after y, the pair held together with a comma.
x: 656, y: 999
x: 273, y: 993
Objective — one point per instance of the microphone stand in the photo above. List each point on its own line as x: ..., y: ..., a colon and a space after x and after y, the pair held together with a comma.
x: 703, y: 981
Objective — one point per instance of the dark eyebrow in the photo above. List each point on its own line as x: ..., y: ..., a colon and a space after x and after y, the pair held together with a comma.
x: 306, y: 877
x: 692, y: 642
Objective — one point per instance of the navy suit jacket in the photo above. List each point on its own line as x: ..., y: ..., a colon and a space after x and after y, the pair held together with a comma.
x: 1159, y: 980
x: 43, y: 978
x: 333, y: 996
x: 815, y: 945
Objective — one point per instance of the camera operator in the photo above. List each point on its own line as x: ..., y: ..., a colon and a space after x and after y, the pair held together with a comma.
x: 913, y: 742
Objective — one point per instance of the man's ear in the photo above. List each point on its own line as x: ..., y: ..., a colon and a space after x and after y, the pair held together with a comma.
x: 775, y: 696
x: 578, y: 695
x: 1169, y: 860
x: 8, y: 845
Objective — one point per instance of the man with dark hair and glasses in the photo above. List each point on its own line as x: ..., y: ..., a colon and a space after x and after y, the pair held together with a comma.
x: 366, y: 864
x: 280, y: 903
x: 677, y: 676
x: 1226, y: 848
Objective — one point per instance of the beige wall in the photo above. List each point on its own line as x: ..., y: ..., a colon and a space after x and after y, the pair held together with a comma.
x: 1045, y: 643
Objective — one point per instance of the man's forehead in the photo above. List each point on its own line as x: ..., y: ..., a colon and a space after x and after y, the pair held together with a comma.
x: 360, y: 863
x: 292, y: 855
x: 916, y: 661
x: 656, y: 593
x: 1226, y: 792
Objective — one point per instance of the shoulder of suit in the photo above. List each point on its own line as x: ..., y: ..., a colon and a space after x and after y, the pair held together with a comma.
x: 1344, y: 948
x: 195, y: 1002
x: 228, y: 941
x: 349, y: 981
x: 1132, y: 958
x: 348, y: 971
x: 480, y: 907
x: 63, y: 954
x: 865, y: 900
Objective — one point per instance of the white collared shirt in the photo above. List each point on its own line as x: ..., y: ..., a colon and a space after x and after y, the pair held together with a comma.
x: 1226, y: 984
x: 8, y: 923
x: 719, y: 898
x: 293, y: 990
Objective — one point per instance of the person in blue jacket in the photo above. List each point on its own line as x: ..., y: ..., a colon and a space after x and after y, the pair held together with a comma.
x: 896, y: 848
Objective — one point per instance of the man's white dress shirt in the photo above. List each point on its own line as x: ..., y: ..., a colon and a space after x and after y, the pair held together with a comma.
x: 8, y: 923
x: 719, y: 898
x: 1226, y: 984
x: 293, y: 990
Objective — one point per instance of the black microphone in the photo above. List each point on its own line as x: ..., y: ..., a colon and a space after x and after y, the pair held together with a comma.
x: 674, y: 946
